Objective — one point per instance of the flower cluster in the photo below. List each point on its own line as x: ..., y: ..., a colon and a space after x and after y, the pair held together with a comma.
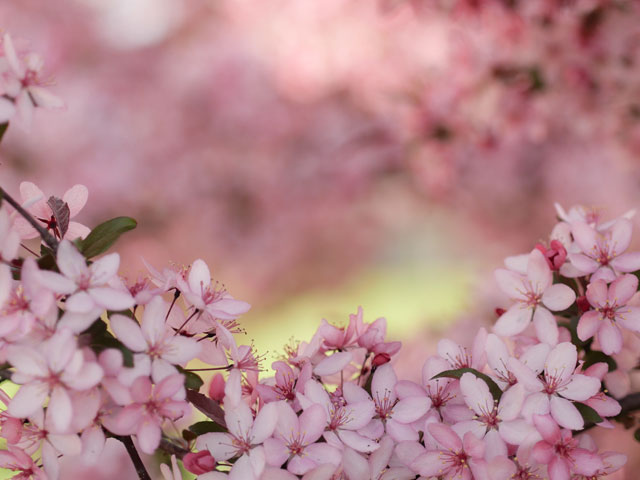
x: 96, y: 357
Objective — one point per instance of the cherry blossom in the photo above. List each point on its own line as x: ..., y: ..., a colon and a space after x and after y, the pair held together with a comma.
x: 87, y: 286
x: 603, y: 253
x: 559, y: 385
x: 36, y: 204
x: 534, y: 295
x: 610, y: 312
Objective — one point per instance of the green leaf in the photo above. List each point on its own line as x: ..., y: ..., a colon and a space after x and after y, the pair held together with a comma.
x: 191, y: 380
x: 493, y: 386
x: 200, y: 428
x: 3, y: 129
x: 636, y: 434
x: 104, y: 235
x: 588, y: 414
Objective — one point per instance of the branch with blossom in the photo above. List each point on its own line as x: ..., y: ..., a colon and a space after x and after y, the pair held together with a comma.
x: 98, y: 357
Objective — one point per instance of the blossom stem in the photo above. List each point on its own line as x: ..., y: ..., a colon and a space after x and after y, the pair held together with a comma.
x: 49, y: 239
x: 176, y: 295
x: 141, y: 470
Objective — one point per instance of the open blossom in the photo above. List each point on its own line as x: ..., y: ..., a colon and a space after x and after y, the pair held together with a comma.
x: 343, y: 419
x: 36, y: 204
x: 17, y: 460
x: 295, y: 440
x: 51, y: 371
x: 152, y: 405
x: 493, y: 417
x: 603, y: 253
x: 558, y: 386
x: 153, y: 338
x: 207, y: 298
x: 561, y: 453
x: 454, y: 458
x: 534, y: 295
x: 610, y: 312
x: 87, y: 286
x: 393, y: 414
x: 246, y: 434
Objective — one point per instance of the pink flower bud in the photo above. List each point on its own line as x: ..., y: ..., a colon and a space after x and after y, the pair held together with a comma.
x: 555, y: 255
x: 216, y: 387
x: 583, y: 304
x: 381, y: 359
x: 199, y: 463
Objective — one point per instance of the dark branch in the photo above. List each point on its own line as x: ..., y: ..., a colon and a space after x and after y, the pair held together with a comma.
x: 173, y: 449
x: 135, y: 457
x: 49, y: 239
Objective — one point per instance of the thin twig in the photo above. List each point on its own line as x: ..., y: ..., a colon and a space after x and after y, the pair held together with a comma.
x: 135, y: 457
x: 49, y: 239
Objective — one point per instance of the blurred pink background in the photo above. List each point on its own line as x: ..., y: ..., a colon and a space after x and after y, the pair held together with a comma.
x: 302, y: 146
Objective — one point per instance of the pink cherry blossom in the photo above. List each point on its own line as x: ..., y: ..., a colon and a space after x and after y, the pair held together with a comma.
x: 153, y: 338
x: 455, y: 458
x: 343, y: 418
x: 560, y: 451
x: 36, y: 205
x: 206, y: 298
x: 17, y: 460
x: 295, y: 440
x: 152, y: 405
x: 534, y: 295
x: 246, y: 433
x: 610, y: 312
x: 558, y: 386
x: 603, y: 253
x: 51, y: 371
x: 87, y: 286
x: 491, y: 416
x: 393, y: 415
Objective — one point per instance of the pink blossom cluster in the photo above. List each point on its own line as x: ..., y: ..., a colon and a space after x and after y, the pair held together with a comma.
x: 96, y: 357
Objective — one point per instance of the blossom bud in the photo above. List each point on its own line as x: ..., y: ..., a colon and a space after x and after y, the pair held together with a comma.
x: 583, y: 304
x: 199, y: 463
x: 381, y: 359
x: 216, y: 387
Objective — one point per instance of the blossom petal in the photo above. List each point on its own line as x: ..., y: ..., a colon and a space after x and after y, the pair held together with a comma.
x: 588, y: 325
x: 558, y: 297
x: 128, y: 332
x: 445, y: 436
x: 76, y: 197
x: 610, y: 338
x: 622, y: 289
x: 627, y: 262
x: 566, y: 414
x: 546, y: 326
x: 513, y: 321
x: 70, y: 261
